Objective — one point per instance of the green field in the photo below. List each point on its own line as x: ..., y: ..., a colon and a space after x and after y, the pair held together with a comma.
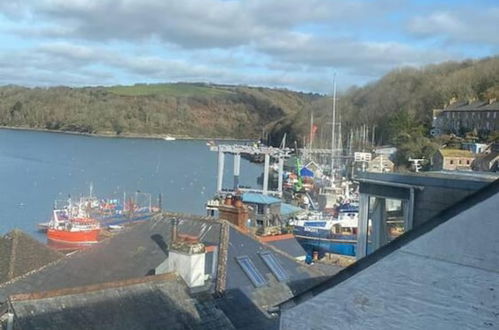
x: 175, y: 90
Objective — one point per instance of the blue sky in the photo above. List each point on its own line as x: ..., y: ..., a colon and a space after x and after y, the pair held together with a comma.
x: 295, y: 44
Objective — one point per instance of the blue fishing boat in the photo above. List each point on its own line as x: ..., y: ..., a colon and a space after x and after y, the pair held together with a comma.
x: 334, y: 235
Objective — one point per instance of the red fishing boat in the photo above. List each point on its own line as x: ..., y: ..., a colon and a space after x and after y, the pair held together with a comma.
x: 68, y: 229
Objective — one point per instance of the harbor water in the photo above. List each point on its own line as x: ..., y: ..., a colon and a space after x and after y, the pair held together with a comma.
x: 37, y: 168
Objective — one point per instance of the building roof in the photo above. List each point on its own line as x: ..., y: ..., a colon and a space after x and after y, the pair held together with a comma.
x: 439, y: 275
x: 287, y: 243
x: 456, y: 153
x: 473, y: 106
x: 483, y: 161
x: 139, y: 250
x: 255, y: 198
x: 20, y: 254
x: 289, y: 209
x: 152, y: 302
x: 491, y: 156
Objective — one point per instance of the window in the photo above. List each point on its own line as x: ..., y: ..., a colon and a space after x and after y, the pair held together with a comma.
x: 261, y: 208
x: 460, y: 162
x: 274, y: 265
x: 250, y: 270
x: 468, y: 162
x: 451, y: 162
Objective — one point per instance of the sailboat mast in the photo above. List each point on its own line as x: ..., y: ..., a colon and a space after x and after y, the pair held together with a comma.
x: 311, y: 128
x: 333, y: 128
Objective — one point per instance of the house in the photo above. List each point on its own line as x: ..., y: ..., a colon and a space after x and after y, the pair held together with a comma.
x: 460, y: 117
x: 486, y: 162
x: 21, y: 254
x: 452, y: 159
x: 214, y: 259
x: 440, y: 275
x: 380, y: 164
x: 265, y: 211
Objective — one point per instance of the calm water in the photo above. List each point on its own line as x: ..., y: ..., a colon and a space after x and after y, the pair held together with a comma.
x: 37, y: 168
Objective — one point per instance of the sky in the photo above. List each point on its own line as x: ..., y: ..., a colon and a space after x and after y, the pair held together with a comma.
x: 293, y: 44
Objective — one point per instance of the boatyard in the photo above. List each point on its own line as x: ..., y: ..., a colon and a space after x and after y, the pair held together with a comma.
x: 253, y: 165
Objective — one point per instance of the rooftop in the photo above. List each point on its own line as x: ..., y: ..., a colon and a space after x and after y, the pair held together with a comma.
x: 139, y: 250
x: 456, y: 153
x: 473, y: 106
x: 152, y: 302
x: 20, y: 254
x: 289, y: 209
x: 440, y: 275
x: 255, y: 198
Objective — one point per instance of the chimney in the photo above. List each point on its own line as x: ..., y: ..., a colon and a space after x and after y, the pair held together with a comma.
x: 174, y: 232
x: 235, y: 212
x: 186, y: 257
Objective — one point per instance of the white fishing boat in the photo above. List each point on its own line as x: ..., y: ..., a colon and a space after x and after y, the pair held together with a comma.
x: 169, y: 138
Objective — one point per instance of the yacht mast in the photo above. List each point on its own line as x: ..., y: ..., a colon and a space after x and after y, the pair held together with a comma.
x: 333, y: 144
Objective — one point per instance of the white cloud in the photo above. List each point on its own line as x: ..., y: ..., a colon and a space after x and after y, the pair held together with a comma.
x: 289, y: 43
x: 477, y: 26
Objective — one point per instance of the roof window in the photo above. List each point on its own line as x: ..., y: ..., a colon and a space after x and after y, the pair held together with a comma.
x: 274, y: 265
x: 250, y: 270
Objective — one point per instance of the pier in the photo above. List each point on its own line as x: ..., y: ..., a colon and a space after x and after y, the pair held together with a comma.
x: 278, y: 153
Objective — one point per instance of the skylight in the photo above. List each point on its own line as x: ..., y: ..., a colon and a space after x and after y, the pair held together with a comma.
x: 274, y: 266
x: 249, y: 268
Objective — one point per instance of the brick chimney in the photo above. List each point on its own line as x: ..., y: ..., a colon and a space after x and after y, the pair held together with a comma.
x: 234, y: 211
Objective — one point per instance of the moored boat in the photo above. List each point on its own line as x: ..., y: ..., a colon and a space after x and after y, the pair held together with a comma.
x: 169, y: 138
x: 68, y: 229
x: 330, y: 235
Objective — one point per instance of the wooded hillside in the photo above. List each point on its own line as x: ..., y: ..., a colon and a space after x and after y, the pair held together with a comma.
x: 399, y: 105
x: 195, y: 110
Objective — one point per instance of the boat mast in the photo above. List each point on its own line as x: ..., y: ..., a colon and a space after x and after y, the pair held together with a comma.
x: 333, y: 129
x: 311, y: 129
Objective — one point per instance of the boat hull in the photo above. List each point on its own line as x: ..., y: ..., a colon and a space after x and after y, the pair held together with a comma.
x: 322, y: 240
x: 77, y: 237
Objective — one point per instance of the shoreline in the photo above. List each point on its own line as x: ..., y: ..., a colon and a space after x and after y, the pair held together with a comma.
x: 124, y: 136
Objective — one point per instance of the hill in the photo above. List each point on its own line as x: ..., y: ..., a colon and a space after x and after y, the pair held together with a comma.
x: 398, y: 107
x: 181, y: 109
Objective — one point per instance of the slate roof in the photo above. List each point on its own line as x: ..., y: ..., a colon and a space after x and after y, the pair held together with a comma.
x: 442, y: 275
x: 153, y: 302
x: 134, y: 252
x: 483, y: 162
x: 287, y: 243
x: 20, y: 254
x: 138, y: 250
x: 473, y: 106
x: 254, y: 198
